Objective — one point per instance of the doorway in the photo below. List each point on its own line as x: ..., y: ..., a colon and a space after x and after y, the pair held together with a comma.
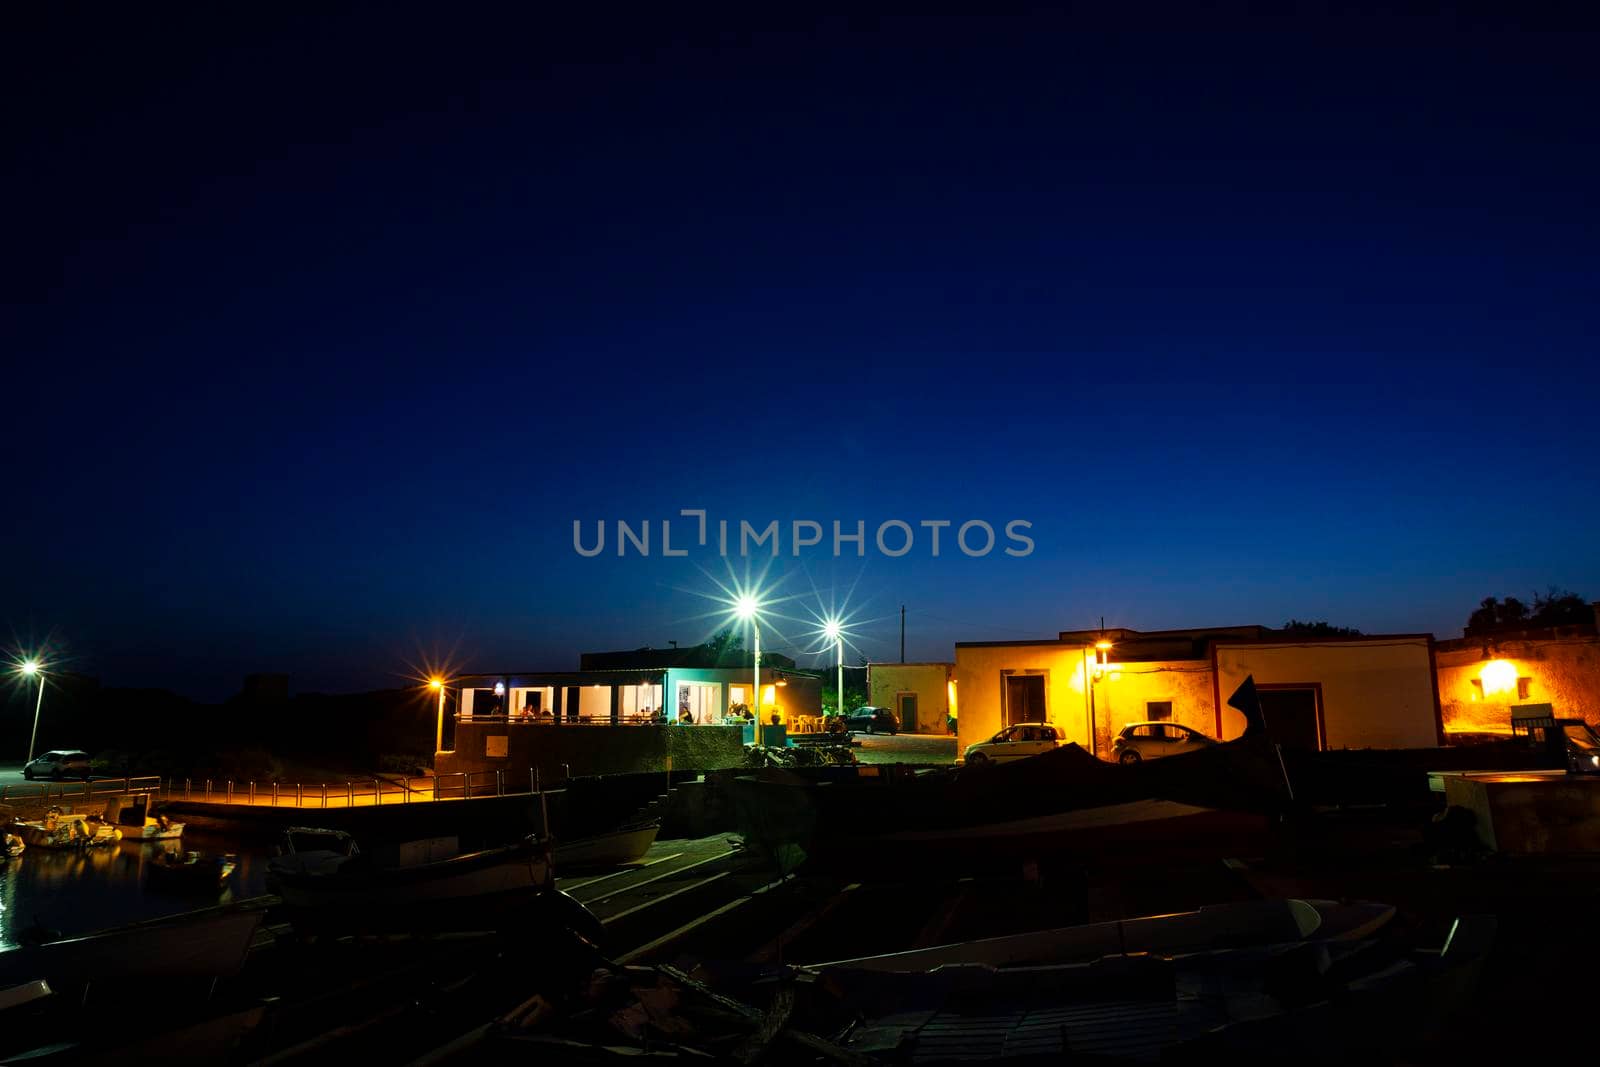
x: 907, y: 710
x: 1293, y: 715
x: 1024, y: 698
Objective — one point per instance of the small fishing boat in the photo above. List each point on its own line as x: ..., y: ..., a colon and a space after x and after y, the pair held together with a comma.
x: 1217, y: 926
x: 626, y: 844
x: 210, y: 942
x: 190, y: 872
x: 328, y: 883
x: 62, y: 830
x: 132, y: 816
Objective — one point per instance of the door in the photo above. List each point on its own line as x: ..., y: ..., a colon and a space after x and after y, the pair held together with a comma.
x: 1292, y: 716
x: 1009, y: 745
x: 1024, y: 698
x: 908, y: 712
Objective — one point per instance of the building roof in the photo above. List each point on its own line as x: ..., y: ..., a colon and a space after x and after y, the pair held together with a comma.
x: 1155, y: 646
x: 704, y: 656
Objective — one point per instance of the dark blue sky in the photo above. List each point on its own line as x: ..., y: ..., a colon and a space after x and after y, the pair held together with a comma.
x: 324, y: 330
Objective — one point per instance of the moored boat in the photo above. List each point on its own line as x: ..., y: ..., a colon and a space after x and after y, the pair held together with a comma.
x: 626, y: 844
x: 339, y: 887
x: 189, y: 872
x: 131, y: 815
x: 210, y: 942
x: 62, y: 830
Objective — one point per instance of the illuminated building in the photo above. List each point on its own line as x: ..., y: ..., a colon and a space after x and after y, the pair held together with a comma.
x: 1482, y: 677
x: 1374, y: 691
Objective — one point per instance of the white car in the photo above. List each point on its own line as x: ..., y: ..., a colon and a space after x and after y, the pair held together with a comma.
x: 1014, y: 742
x: 58, y: 763
x: 1152, y: 740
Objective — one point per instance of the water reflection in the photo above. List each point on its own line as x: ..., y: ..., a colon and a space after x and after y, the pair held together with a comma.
x: 77, y: 892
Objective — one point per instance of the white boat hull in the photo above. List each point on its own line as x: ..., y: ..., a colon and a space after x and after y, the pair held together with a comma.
x: 69, y: 831
x: 152, y: 831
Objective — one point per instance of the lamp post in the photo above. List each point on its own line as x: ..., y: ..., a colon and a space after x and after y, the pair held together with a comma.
x: 833, y: 632
x: 437, y: 685
x: 29, y: 669
x: 748, y: 608
x: 1102, y: 656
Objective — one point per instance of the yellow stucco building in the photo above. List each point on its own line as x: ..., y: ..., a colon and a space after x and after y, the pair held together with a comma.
x: 1377, y: 691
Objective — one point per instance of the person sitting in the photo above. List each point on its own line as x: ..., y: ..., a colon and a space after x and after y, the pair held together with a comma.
x: 685, y: 717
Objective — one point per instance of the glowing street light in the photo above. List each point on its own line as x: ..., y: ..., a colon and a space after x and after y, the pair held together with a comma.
x: 28, y: 669
x: 835, y: 633
x: 748, y: 607
x: 437, y: 685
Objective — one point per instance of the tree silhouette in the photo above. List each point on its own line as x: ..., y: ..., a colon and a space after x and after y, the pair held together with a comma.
x: 1552, y: 608
x: 1319, y: 628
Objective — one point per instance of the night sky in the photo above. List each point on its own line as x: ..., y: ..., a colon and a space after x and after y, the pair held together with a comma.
x: 322, y: 330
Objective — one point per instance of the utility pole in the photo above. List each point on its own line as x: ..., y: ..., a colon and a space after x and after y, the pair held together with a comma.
x: 902, y: 633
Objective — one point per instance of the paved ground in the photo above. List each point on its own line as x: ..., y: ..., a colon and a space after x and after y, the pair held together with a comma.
x: 906, y: 748
x: 11, y: 774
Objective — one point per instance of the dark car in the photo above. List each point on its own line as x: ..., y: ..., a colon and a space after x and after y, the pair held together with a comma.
x: 59, y: 763
x: 871, y: 720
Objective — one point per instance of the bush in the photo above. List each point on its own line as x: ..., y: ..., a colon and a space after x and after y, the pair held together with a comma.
x: 405, y: 764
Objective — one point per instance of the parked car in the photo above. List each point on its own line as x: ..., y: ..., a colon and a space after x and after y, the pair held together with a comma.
x: 61, y: 763
x: 1152, y: 740
x: 871, y: 720
x: 1014, y: 742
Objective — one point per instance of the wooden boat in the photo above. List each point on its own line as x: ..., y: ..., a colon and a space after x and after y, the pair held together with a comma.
x: 1276, y: 921
x: 1330, y: 1001
x: 27, y: 993
x: 189, y: 872
x: 339, y: 887
x: 210, y: 942
x: 61, y: 831
x: 132, y: 816
x: 626, y: 844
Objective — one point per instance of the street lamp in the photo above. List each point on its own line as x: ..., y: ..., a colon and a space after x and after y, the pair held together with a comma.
x: 747, y: 607
x: 835, y: 633
x: 437, y: 685
x: 28, y: 669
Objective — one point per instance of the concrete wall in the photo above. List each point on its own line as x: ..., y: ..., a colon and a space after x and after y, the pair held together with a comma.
x: 1376, y: 693
x: 1563, y: 672
x: 589, y: 749
x: 931, y: 683
x: 979, y: 681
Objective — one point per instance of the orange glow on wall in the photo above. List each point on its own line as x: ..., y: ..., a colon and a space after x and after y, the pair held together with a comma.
x: 1498, y: 676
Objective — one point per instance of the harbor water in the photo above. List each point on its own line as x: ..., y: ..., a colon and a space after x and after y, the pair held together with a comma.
x: 74, y: 892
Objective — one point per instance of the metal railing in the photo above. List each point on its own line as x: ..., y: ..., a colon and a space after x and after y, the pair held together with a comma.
x: 357, y: 792
x: 88, y: 789
x: 629, y: 719
x: 350, y: 793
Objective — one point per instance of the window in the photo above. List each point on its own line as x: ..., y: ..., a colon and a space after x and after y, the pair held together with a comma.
x: 1522, y: 688
x: 1158, y: 710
